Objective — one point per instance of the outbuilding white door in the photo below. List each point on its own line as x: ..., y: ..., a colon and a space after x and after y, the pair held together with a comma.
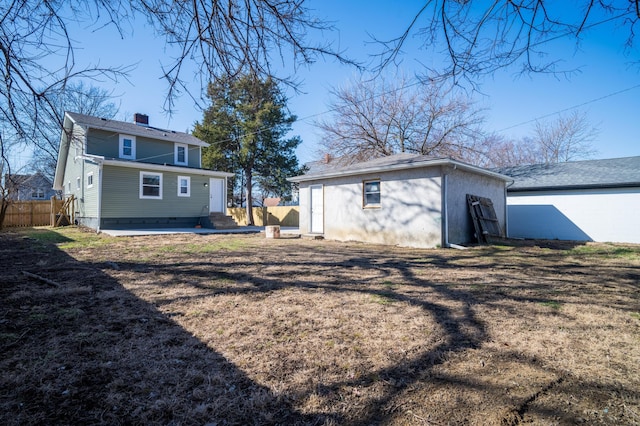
x: 317, y: 209
x: 216, y: 195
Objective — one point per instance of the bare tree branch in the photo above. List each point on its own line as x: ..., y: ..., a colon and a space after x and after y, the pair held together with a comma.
x: 477, y: 38
x: 375, y: 118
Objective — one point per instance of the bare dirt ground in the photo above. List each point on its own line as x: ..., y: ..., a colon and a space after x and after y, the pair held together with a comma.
x: 217, y: 330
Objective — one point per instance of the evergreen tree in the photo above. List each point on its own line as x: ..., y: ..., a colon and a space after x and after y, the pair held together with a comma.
x: 245, y: 127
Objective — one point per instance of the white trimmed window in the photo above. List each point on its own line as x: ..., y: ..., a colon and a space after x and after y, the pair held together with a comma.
x: 184, y: 186
x: 78, y: 182
x: 37, y: 193
x: 181, y: 154
x: 89, y: 179
x: 151, y: 185
x: 371, y: 193
x: 127, y: 147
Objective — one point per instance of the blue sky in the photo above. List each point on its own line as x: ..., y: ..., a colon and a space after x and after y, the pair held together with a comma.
x: 513, y: 102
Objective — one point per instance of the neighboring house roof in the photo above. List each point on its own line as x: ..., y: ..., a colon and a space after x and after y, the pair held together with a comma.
x: 37, y: 179
x: 134, y: 129
x: 317, y: 170
x: 609, y: 173
x: 271, y: 202
x: 23, y: 186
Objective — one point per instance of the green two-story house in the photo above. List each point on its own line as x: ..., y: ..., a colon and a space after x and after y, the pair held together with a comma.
x: 132, y: 175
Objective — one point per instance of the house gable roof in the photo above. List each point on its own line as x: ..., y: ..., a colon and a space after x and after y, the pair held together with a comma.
x: 134, y: 129
x: 609, y: 173
x: 72, y: 119
x: 36, y: 179
x: 318, y: 171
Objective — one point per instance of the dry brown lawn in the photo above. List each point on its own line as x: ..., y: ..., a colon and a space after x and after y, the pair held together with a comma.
x: 216, y: 330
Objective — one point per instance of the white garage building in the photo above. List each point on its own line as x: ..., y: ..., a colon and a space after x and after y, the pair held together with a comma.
x: 405, y: 199
x: 595, y: 200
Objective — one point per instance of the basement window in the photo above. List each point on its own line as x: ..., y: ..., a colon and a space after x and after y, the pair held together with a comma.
x: 151, y: 185
x: 371, y: 193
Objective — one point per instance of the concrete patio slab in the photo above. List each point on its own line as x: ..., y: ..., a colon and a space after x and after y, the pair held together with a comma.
x: 202, y: 231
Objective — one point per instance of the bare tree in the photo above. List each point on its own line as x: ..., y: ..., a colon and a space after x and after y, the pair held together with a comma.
x: 6, y: 185
x: 565, y: 139
x: 376, y: 118
x: 235, y: 37
x: 75, y: 97
x: 477, y: 38
x: 229, y: 37
x: 494, y: 150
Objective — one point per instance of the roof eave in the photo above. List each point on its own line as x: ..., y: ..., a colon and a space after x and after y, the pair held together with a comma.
x: 162, y: 167
x: 574, y: 187
x: 402, y: 166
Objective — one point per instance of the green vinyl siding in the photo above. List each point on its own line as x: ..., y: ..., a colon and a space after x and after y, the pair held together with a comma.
x: 86, y: 204
x: 148, y: 150
x: 100, y: 142
x: 121, y: 195
x: 89, y: 196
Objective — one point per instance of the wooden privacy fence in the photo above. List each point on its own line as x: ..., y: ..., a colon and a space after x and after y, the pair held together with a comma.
x: 40, y: 213
x: 263, y: 216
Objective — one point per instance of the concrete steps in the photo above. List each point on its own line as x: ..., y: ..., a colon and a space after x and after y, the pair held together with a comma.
x: 222, y: 221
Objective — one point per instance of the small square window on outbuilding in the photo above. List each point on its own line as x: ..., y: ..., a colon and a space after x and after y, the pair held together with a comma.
x: 371, y: 193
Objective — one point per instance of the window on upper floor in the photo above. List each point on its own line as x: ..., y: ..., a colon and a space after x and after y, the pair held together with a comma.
x: 127, y: 148
x: 151, y: 185
x: 371, y: 193
x: 89, y: 179
x: 184, y: 186
x: 181, y: 154
x: 78, y: 181
x: 37, y: 193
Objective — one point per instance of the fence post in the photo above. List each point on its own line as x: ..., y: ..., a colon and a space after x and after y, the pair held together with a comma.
x: 53, y: 209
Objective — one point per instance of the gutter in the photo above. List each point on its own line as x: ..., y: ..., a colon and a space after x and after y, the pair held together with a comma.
x: 162, y: 167
x: 575, y: 187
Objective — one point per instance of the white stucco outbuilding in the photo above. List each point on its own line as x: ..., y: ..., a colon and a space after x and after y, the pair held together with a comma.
x: 406, y: 199
x: 594, y: 200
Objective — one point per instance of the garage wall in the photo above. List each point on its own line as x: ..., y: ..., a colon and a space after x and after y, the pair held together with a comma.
x: 460, y: 183
x: 409, y: 214
x: 605, y: 215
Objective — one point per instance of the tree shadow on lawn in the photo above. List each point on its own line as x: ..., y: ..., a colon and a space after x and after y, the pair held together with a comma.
x: 462, y: 328
x: 90, y: 352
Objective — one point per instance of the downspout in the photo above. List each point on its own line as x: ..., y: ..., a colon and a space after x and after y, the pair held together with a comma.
x: 99, y: 203
x: 445, y: 212
x: 506, y: 208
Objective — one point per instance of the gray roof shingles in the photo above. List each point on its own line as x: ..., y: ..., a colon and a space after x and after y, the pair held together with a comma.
x: 609, y: 173
x: 134, y: 129
x: 319, y: 168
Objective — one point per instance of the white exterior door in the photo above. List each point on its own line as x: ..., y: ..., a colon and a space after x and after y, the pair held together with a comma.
x: 316, y: 204
x: 216, y: 195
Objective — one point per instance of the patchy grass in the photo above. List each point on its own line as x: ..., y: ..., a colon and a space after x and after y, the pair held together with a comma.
x: 70, y: 237
x: 238, y: 329
x: 552, y: 304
